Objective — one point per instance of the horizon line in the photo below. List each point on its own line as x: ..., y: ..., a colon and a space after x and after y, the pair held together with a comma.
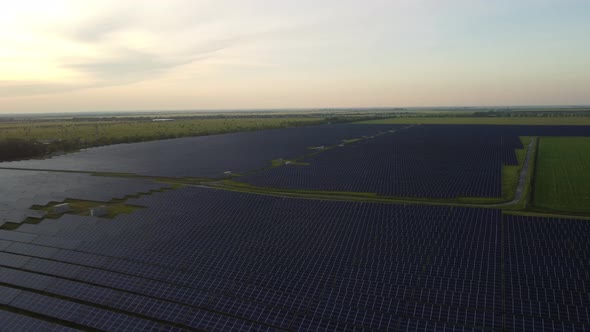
x: 352, y: 108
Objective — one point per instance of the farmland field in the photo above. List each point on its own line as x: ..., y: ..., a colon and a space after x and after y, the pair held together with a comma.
x: 552, y: 121
x: 125, y: 128
x: 562, y: 180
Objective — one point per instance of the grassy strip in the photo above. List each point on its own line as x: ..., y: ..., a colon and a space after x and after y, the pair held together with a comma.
x: 10, y: 226
x: 174, y: 182
x: 335, y: 195
x: 526, y: 194
x: 546, y: 214
x: 347, y: 196
x: 325, y: 195
x: 241, y: 185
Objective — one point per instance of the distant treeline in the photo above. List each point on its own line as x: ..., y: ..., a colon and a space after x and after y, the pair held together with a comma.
x: 557, y: 113
x: 16, y: 149
x: 533, y: 113
x: 319, y: 116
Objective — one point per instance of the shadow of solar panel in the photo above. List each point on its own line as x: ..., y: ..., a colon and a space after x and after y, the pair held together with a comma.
x: 24, y: 279
x: 83, y: 314
x: 133, y: 303
x: 8, y: 294
x: 306, y: 323
x: 31, y: 250
x: 4, y: 244
x: 253, y: 311
x: 16, y: 236
x: 12, y: 260
x: 57, y: 242
x: 410, y: 324
x: 453, y: 315
x: 16, y: 322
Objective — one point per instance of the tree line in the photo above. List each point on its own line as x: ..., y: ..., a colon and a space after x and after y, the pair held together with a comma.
x: 16, y: 149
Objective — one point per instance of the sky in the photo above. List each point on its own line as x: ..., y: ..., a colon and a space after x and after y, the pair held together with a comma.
x: 103, y: 55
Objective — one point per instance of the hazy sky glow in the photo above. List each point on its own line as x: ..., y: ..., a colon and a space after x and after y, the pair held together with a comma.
x: 58, y: 56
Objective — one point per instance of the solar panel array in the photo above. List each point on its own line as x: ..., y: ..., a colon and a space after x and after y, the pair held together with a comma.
x: 546, y: 269
x: 422, y: 161
x: 204, y: 156
x: 428, y: 161
x: 22, y: 189
x: 205, y: 259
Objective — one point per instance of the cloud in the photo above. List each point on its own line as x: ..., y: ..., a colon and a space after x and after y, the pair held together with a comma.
x: 274, y: 50
x: 31, y: 88
x: 128, y: 64
x: 121, y: 68
x: 117, y: 44
x: 97, y: 30
x: 106, y: 52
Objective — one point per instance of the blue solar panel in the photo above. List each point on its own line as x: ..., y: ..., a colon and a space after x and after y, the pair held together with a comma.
x: 8, y: 294
x: 421, y: 161
x: 11, y: 260
x: 204, y: 156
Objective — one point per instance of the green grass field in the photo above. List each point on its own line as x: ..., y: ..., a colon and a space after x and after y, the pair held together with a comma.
x: 95, y: 130
x: 570, y: 120
x: 562, y: 179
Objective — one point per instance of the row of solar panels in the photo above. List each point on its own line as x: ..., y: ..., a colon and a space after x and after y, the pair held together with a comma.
x: 204, y: 156
x: 22, y: 189
x: 422, y: 161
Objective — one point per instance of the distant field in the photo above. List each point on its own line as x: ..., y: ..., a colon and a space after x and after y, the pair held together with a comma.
x: 484, y: 120
x: 562, y: 180
x: 116, y: 130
